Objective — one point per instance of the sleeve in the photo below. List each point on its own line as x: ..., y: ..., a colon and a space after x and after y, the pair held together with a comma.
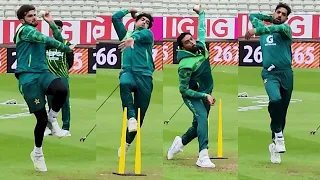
x: 56, y: 33
x: 258, y: 18
x: 32, y: 35
x: 184, y: 79
x: 202, y: 27
x: 284, y: 29
x: 117, y: 23
x: 69, y: 57
x: 144, y: 36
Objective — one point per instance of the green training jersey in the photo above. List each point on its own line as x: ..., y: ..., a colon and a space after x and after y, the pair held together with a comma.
x: 275, y: 41
x: 139, y: 59
x: 31, y: 48
x: 57, y: 61
x: 195, y: 78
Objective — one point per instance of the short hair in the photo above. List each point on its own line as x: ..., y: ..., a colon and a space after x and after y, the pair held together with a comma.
x: 181, y: 36
x: 58, y: 23
x: 147, y: 16
x: 284, y: 5
x: 23, y: 10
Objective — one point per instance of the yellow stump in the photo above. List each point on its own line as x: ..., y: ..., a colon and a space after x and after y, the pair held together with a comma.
x: 220, y: 149
x: 219, y: 153
x: 122, y: 159
x: 137, y: 168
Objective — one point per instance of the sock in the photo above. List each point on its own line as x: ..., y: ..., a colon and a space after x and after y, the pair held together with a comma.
x: 38, y: 150
x: 52, y: 114
x: 203, y: 152
x: 279, y: 135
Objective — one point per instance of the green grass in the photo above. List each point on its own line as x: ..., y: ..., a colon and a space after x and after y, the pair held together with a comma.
x: 66, y: 158
x: 302, y: 160
x: 183, y: 165
x: 109, y: 119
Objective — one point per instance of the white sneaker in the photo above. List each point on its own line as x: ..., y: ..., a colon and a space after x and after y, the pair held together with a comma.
x: 38, y: 161
x: 55, y: 128
x: 47, y: 132
x: 66, y: 133
x: 132, y: 125
x: 127, y: 149
x: 175, y: 147
x: 274, y: 155
x: 280, y: 146
x: 204, y: 160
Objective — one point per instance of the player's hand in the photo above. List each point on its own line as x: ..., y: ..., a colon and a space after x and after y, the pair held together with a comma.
x: 133, y: 12
x: 72, y: 46
x: 197, y: 9
x: 210, y: 99
x: 249, y: 34
x: 47, y: 17
x: 126, y: 43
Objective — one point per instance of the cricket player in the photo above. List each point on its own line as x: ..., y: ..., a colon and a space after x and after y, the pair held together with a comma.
x: 137, y: 67
x: 35, y: 80
x: 59, y: 64
x: 277, y: 74
x: 195, y: 85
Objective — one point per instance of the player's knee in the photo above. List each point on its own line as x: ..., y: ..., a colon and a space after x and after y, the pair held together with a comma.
x: 124, y: 84
x: 61, y: 90
x: 276, y: 99
x: 202, y: 118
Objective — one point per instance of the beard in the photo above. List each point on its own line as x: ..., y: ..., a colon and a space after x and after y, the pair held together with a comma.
x: 197, y: 49
x: 194, y: 49
x: 34, y: 24
x: 276, y: 21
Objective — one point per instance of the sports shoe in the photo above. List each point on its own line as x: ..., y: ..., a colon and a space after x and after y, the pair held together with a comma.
x: 38, y: 161
x: 127, y: 149
x: 132, y: 125
x: 280, y: 145
x: 55, y: 128
x: 175, y: 147
x: 47, y: 132
x: 66, y: 132
x: 204, y: 160
x: 274, y: 155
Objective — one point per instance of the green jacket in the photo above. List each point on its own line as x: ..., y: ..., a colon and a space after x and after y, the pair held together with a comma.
x: 139, y: 59
x: 31, y: 48
x: 275, y: 41
x: 195, y: 78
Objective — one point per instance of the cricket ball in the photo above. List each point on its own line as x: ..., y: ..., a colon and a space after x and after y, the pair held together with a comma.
x: 42, y: 13
x: 196, y: 7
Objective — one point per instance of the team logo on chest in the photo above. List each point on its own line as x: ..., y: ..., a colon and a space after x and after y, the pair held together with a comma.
x: 54, y: 55
x: 269, y: 41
